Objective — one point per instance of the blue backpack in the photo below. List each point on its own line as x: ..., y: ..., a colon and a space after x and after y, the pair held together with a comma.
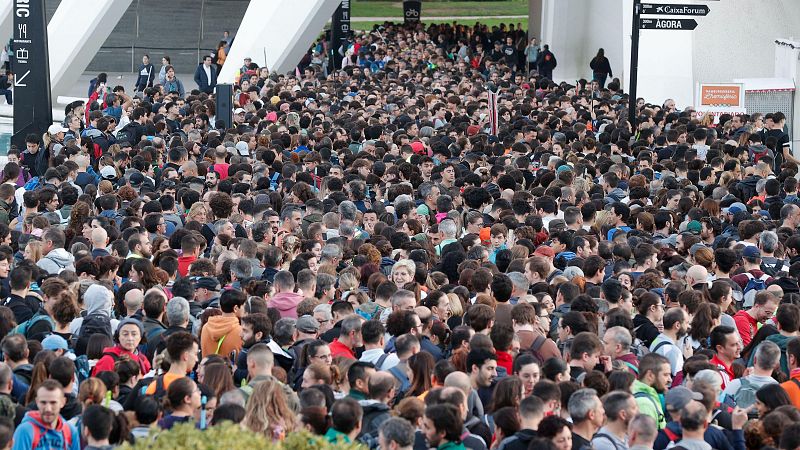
x: 24, y: 327
x: 753, y: 287
x: 32, y: 184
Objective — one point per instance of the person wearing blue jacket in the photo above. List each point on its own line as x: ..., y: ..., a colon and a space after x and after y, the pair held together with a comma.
x: 45, y: 429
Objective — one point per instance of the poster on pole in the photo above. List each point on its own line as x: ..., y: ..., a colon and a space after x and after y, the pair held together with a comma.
x: 340, y: 33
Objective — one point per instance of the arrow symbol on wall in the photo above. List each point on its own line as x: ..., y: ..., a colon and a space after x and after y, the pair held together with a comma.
x: 17, y: 81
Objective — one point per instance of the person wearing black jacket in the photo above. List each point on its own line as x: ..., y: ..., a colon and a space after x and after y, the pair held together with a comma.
x: 147, y: 74
x: 546, y: 62
x: 5, y: 86
x: 601, y: 68
x: 531, y: 412
x: 35, y: 157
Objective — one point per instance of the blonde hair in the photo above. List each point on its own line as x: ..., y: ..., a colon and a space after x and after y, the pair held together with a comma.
x: 35, y: 249
x: 268, y: 411
x: 456, y: 308
x: 92, y: 392
x: 195, y: 210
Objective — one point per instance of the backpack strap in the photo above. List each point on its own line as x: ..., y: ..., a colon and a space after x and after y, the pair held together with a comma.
x: 661, y: 344
x: 608, y: 438
x: 381, y: 360
x: 632, y: 367
x: 538, y: 343
x: 671, y: 435
x: 648, y: 397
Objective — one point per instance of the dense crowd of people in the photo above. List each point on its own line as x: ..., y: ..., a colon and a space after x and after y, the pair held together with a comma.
x: 362, y: 257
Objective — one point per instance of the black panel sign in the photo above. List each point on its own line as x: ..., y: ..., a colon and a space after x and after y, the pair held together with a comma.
x: 412, y: 10
x: 33, y: 111
x: 675, y: 10
x: 668, y: 24
x: 340, y: 32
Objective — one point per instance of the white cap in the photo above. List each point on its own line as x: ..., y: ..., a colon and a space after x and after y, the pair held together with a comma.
x: 56, y: 128
x: 239, y: 111
x: 241, y: 148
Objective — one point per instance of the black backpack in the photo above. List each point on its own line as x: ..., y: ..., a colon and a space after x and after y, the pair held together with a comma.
x: 92, y: 324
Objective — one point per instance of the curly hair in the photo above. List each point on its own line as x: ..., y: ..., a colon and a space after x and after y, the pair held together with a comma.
x: 371, y: 252
x: 221, y: 205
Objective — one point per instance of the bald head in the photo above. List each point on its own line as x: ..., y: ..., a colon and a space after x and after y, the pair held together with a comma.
x: 381, y: 385
x: 459, y: 380
x: 423, y: 312
x: 99, y: 238
x: 134, y: 299
x: 696, y: 274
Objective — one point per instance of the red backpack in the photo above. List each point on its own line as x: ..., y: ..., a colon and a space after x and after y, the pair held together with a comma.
x: 65, y: 430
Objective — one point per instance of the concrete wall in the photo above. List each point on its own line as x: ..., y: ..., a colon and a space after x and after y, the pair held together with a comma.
x: 734, y: 41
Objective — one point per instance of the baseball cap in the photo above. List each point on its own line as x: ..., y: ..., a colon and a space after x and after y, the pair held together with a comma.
x: 736, y: 207
x: 239, y: 111
x: 694, y: 227
x: 136, y: 179
x: 55, y: 342
x: 108, y: 172
x: 678, y: 397
x: 56, y: 128
x: 751, y: 251
x: 544, y: 250
x: 241, y: 148
x: 209, y: 283
x: 307, y: 324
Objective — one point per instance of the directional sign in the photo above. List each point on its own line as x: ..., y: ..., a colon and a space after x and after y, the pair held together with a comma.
x: 668, y: 24
x: 675, y: 10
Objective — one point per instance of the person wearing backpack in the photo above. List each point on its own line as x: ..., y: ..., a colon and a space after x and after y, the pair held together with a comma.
x: 531, y: 338
x: 45, y: 428
x: 128, y: 338
x: 770, y: 265
x: 669, y: 343
x: 788, y: 323
x: 620, y: 408
x: 23, y: 306
x: 747, y: 321
x: 56, y: 258
x: 753, y: 280
x: 742, y: 391
x: 98, y: 301
x: 617, y: 345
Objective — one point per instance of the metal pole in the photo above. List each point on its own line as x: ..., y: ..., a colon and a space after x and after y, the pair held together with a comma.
x: 637, y: 5
x: 202, y: 28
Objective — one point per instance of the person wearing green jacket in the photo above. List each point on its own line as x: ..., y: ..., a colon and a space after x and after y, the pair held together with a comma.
x: 655, y: 378
x: 442, y: 427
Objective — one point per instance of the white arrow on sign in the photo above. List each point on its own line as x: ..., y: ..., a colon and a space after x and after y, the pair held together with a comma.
x: 17, y: 80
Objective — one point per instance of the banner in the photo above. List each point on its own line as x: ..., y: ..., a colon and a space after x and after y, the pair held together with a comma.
x: 729, y: 95
x: 340, y: 33
x: 33, y: 110
x: 412, y: 10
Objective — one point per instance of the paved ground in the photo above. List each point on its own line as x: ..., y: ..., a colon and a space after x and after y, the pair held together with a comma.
x: 382, y: 19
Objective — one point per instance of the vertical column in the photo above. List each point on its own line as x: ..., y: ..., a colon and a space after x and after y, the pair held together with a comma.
x: 32, y: 102
x: 535, y: 19
x: 340, y: 34
x: 77, y: 31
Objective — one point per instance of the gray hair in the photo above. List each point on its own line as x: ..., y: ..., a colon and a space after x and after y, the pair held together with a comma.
x: 615, y: 402
x: 581, y: 403
x: 768, y: 355
x: 330, y: 220
x: 645, y: 426
x: 407, y: 263
x: 476, y: 252
x: 220, y: 223
x: 283, y: 331
x: 709, y: 377
x: 324, y: 309
x: 325, y: 281
x: 621, y: 336
x: 402, y: 294
x: 242, y: 268
x: 519, y: 281
x: 768, y: 241
x: 761, y: 185
x: 425, y: 189
x: 348, y: 210
x: 177, y: 311
x: 330, y: 251
x: 448, y: 228
x: 5, y: 373
x: 234, y: 396
x: 351, y: 323
x: 347, y: 229
x: 398, y: 430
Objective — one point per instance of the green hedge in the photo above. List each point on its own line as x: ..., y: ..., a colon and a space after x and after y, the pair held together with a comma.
x: 230, y: 436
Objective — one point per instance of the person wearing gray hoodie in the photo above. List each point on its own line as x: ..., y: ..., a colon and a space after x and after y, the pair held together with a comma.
x: 97, y: 299
x: 56, y: 258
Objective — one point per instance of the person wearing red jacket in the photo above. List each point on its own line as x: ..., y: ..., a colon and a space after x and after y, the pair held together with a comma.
x: 128, y: 336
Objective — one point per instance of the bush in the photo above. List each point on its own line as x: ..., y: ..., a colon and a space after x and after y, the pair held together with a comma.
x: 230, y: 436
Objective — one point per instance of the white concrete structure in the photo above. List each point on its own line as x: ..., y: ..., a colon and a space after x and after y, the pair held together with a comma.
x: 75, y: 33
x: 6, y: 21
x: 735, y: 40
x: 276, y: 33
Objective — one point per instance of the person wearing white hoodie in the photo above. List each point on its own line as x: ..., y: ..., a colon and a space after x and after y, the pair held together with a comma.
x: 56, y: 259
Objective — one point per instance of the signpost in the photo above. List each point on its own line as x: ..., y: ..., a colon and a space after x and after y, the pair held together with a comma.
x: 412, y: 10
x: 656, y: 23
x: 668, y: 24
x: 33, y: 110
x: 340, y: 32
x: 675, y: 10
